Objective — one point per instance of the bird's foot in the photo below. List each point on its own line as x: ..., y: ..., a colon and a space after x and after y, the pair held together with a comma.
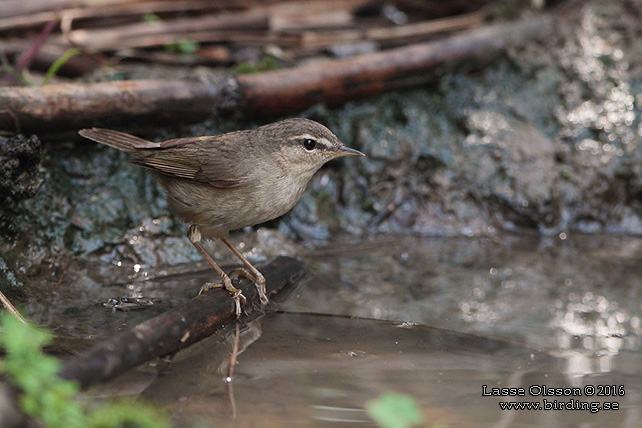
x: 236, y: 293
x: 259, y: 283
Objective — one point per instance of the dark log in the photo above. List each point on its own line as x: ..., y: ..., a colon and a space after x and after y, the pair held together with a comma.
x: 175, y: 329
x: 264, y: 94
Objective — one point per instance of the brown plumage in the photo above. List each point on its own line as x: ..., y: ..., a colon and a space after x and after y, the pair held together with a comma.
x: 229, y: 181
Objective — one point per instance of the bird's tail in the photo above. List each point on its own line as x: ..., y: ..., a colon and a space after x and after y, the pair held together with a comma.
x: 118, y: 140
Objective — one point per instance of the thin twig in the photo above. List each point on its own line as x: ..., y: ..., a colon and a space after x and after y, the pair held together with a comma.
x: 25, y: 59
x: 62, y: 276
x: 10, y: 308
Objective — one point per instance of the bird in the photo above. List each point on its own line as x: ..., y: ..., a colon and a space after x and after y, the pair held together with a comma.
x: 225, y: 182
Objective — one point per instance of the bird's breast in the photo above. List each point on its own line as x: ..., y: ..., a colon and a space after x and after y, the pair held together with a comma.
x: 219, y: 210
x: 279, y: 195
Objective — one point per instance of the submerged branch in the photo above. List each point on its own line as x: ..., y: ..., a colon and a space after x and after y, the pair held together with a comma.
x: 175, y: 329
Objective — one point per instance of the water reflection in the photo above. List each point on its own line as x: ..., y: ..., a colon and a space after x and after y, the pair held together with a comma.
x: 577, y: 295
x: 590, y: 331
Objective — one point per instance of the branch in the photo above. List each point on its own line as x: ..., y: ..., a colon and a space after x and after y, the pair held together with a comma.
x: 334, y: 82
x: 75, y: 105
x: 175, y: 329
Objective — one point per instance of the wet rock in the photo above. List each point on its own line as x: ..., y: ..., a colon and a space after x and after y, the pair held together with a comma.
x: 547, y: 138
x: 20, y: 177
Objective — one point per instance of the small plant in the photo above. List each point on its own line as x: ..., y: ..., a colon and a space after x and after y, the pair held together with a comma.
x: 151, y: 18
x: 182, y: 46
x: 393, y: 410
x: 266, y: 63
x: 62, y: 60
x: 52, y: 400
x: 20, y: 71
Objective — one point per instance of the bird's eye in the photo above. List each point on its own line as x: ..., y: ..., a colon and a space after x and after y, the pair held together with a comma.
x: 309, y: 143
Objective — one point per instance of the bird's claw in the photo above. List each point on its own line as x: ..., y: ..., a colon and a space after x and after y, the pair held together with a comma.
x: 260, y: 286
x: 236, y: 294
x: 209, y: 286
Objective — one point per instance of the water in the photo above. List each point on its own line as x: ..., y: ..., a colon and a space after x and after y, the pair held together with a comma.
x: 435, y: 318
x: 318, y: 370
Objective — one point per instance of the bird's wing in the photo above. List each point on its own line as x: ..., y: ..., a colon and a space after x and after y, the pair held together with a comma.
x: 207, y: 160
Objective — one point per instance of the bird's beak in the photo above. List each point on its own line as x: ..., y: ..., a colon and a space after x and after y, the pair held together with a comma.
x: 347, y: 151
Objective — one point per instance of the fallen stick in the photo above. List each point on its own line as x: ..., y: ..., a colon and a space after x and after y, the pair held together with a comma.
x: 277, y: 17
x: 127, y: 36
x: 76, y: 105
x: 70, y: 106
x: 18, y: 15
x: 175, y: 329
x: 391, y: 36
x: 334, y: 82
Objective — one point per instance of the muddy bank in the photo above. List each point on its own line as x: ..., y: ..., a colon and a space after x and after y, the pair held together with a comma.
x: 545, y: 139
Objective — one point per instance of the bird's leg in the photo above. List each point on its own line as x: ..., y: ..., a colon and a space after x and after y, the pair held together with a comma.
x: 195, y: 238
x: 254, y: 274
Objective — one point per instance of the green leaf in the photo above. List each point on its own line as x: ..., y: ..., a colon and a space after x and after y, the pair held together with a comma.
x: 125, y: 413
x: 182, y: 46
x: 52, y: 400
x: 53, y: 69
x: 393, y: 410
x: 22, y: 338
x: 151, y: 17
